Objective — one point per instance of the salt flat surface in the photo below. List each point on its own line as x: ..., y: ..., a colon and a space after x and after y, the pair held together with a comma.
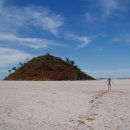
x: 64, y: 105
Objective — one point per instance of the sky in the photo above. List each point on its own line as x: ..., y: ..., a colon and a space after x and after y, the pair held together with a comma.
x: 93, y: 33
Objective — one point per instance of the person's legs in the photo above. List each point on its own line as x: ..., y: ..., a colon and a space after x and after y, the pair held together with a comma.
x: 110, y: 87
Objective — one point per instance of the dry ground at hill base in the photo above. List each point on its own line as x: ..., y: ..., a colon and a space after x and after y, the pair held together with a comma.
x: 64, y: 105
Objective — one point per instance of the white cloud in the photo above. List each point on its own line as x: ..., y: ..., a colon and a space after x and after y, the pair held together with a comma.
x: 117, y: 71
x: 110, y: 5
x: 101, y: 10
x: 31, y: 42
x: 11, y: 56
x: 122, y: 39
x: 45, y: 19
x: 110, y: 73
x: 83, y: 40
x: 1, y: 3
x: 90, y: 18
x: 14, y: 19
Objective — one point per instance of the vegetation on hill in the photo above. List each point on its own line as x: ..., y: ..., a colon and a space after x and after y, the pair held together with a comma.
x: 47, y: 67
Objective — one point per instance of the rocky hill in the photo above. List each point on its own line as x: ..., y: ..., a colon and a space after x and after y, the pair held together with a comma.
x: 48, y: 67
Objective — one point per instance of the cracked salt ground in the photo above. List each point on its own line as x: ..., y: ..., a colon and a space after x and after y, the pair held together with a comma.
x: 80, y: 105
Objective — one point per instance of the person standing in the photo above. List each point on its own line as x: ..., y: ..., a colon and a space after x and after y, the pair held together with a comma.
x: 109, y: 84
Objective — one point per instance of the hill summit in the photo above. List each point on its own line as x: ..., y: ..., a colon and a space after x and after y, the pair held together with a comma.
x: 48, y: 67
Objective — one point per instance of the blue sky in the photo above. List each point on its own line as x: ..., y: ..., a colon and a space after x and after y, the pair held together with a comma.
x: 94, y: 33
